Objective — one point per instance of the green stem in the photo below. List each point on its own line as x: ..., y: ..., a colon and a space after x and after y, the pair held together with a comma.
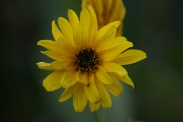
x: 95, y: 116
x: 101, y: 116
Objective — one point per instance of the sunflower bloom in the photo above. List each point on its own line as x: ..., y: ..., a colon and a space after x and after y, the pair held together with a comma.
x: 87, y: 60
x: 107, y: 11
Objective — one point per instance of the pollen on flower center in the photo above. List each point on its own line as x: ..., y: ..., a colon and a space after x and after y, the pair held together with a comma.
x: 86, y: 60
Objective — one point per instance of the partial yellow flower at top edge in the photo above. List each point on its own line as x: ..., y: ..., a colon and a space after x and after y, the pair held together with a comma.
x: 107, y: 11
x: 87, y: 60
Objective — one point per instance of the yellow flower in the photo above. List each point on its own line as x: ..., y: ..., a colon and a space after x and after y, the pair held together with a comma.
x: 107, y: 11
x: 87, y: 61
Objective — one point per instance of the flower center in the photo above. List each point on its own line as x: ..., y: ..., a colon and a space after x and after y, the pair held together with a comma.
x: 86, y: 60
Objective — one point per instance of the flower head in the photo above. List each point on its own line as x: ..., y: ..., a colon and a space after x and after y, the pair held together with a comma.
x: 107, y: 11
x: 87, y: 60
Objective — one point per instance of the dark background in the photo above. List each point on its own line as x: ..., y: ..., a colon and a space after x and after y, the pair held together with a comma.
x: 154, y: 26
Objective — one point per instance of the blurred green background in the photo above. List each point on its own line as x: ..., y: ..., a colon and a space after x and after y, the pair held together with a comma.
x: 154, y: 26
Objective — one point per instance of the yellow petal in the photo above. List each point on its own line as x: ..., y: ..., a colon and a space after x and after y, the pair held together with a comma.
x: 45, y: 66
x: 94, y: 106
x: 119, y: 29
x: 68, y: 78
x: 111, y: 54
x: 91, y: 90
x: 65, y: 48
x: 50, y: 45
x: 125, y: 79
x: 130, y: 56
x: 73, y: 18
x: 85, y: 18
x: 67, y: 93
x: 115, y: 88
x: 80, y: 36
x: 105, y: 41
x: 103, y: 76
x: 52, y: 55
x: 118, y: 10
x: 56, y: 65
x: 82, y: 77
x: 128, y: 81
x: 104, y: 29
x: 120, y: 40
x: 106, y: 99
x: 79, y: 99
x: 105, y: 36
x: 66, y: 29
x: 63, y: 64
x: 93, y: 18
x: 93, y: 23
x: 113, y: 67
x: 55, y: 31
x: 52, y: 81
x: 119, y: 13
